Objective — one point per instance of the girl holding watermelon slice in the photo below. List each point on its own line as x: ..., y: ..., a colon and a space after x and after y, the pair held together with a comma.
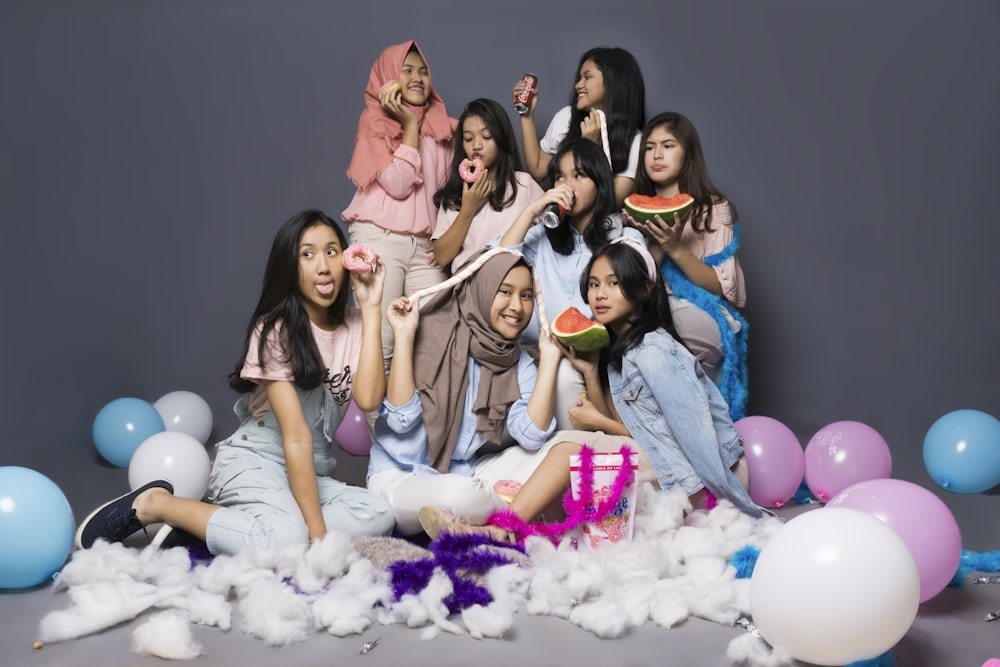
x: 697, y: 254
x: 584, y: 189
x: 676, y: 419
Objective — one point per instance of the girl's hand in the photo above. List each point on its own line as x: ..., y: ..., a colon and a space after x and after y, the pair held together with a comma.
x: 474, y: 195
x: 368, y: 286
x: 428, y: 249
x: 549, y: 348
x: 403, y: 317
x: 585, y: 417
x: 668, y: 237
x: 584, y: 362
x: 560, y: 194
x: 391, y: 99
x: 518, y: 87
x: 590, y: 128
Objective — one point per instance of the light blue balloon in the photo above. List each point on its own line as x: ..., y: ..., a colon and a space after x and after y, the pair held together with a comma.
x: 122, y: 425
x: 36, y: 527
x: 962, y: 451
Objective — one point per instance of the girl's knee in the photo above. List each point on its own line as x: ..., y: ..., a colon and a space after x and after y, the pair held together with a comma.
x: 563, y: 450
x: 363, y: 514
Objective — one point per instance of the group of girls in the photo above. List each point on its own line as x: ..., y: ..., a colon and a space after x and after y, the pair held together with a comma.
x: 464, y: 384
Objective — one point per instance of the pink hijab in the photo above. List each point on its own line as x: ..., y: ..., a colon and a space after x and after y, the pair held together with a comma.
x: 379, y: 134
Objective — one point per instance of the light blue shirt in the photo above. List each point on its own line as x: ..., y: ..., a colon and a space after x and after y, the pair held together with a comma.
x: 559, y: 275
x: 401, y: 440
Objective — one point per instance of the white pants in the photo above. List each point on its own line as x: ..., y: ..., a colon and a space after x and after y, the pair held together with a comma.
x: 470, y: 499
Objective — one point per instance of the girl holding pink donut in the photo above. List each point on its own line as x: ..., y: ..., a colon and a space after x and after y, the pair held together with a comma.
x: 402, y: 153
x: 474, y: 206
x: 306, y: 354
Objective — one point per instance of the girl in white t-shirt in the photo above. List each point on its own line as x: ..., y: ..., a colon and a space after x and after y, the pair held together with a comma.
x: 306, y: 354
x: 470, y: 215
x: 607, y: 80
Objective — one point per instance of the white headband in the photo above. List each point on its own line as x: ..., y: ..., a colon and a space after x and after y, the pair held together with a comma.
x: 643, y: 251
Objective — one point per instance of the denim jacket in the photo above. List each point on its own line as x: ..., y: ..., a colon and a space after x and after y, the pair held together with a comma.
x: 679, y: 418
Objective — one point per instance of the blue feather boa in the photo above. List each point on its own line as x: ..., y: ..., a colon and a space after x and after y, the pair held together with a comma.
x: 733, y: 381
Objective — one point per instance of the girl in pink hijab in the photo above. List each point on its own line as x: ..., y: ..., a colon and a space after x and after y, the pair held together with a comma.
x: 401, y: 156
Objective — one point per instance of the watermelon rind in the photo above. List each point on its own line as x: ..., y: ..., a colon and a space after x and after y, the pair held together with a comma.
x: 644, y: 215
x: 594, y: 337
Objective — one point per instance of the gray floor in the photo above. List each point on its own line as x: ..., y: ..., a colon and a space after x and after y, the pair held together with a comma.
x: 950, y: 630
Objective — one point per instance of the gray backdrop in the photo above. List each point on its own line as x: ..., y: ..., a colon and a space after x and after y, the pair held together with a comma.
x: 148, y: 151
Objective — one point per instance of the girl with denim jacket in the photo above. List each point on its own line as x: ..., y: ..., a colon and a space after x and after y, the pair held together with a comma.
x: 658, y: 389
x: 662, y: 404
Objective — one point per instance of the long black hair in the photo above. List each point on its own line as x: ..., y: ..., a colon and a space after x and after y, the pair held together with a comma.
x: 624, y: 102
x: 648, y: 298
x: 508, y: 161
x: 280, y: 303
x: 588, y: 159
x: 693, y: 178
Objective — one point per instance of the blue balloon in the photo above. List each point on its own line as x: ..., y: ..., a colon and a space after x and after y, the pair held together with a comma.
x: 36, y: 527
x: 122, y: 425
x: 962, y: 451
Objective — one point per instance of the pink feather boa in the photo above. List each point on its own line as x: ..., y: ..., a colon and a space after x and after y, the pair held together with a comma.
x: 578, y: 511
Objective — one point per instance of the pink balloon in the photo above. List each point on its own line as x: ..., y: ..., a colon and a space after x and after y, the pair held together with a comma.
x: 352, y: 434
x: 845, y: 453
x: 924, y: 522
x: 774, y: 457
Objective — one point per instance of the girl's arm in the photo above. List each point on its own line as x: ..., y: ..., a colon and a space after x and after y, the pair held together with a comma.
x: 401, y: 175
x: 297, y: 443
x: 585, y: 416
x: 369, y: 385
x: 536, y: 161
x: 561, y: 194
x: 474, y: 195
x: 391, y: 100
x: 592, y: 412
x: 403, y: 318
x: 667, y: 243
x: 624, y: 186
x: 541, y: 405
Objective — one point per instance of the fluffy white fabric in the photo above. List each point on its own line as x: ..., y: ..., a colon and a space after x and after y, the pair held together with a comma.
x: 750, y: 650
x: 166, y: 635
x: 675, y: 567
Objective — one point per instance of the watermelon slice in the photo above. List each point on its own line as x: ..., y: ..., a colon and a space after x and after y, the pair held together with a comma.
x: 576, y: 330
x: 643, y: 208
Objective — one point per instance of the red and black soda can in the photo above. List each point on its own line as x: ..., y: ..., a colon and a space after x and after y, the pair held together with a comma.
x: 523, y: 102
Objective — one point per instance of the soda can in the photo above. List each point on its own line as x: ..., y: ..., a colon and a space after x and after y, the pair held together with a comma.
x: 552, y: 215
x: 523, y: 102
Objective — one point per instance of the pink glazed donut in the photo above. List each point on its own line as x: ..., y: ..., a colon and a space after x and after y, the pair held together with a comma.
x: 360, y: 258
x: 507, y: 489
x: 470, y: 170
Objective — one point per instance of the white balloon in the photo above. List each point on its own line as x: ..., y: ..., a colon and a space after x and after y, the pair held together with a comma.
x: 186, y: 412
x: 834, y: 586
x: 175, y: 457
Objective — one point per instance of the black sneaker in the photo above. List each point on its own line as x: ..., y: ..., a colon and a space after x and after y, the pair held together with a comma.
x: 116, y: 520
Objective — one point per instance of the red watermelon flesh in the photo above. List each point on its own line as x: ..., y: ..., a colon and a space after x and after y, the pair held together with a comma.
x: 643, y: 208
x: 576, y: 330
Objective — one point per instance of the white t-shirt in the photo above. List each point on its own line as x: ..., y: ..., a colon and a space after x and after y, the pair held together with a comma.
x: 559, y: 128
x: 488, y: 224
x: 339, y: 350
